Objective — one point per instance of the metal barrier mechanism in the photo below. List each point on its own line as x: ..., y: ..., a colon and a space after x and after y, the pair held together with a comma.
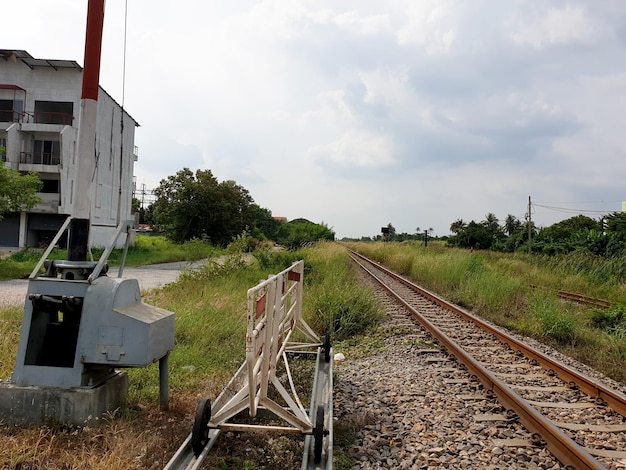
x: 274, y: 314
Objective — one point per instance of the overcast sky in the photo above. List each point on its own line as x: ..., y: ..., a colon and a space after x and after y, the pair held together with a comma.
x: 367, y: 112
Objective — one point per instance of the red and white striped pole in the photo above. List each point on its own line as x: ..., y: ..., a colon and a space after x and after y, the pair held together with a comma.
x: 81, y: 210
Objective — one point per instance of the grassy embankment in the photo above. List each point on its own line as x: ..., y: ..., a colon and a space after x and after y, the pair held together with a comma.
x: 210, y: 345
x: 497, y: 287
x: 147, y: 250
x: 210, y: 308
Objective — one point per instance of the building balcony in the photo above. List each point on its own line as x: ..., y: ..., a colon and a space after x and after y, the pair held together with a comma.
x: 9, y: 116
x: 39, y: 117
x: 39, y: 162
x: 40, y: 158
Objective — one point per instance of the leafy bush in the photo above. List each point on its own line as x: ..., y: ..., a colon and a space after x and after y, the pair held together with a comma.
x: 611, y: 319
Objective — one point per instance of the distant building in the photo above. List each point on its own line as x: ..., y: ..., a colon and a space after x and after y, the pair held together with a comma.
x: 280, y: 219
x: 39, y: 114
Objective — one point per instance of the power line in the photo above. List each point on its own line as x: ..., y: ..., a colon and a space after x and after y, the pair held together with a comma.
x: 568, y: 210
x: 578, y: 202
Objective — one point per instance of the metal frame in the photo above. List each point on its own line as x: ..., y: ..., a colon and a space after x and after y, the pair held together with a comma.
x: 274, y: 314
x: 125, y: 226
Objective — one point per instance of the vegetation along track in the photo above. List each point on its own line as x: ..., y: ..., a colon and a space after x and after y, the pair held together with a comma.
x: 579, y: 420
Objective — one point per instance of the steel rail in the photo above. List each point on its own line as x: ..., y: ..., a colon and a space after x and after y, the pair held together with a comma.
x: 614, y: 399
x: 562, y: 447
x: 583, y: 299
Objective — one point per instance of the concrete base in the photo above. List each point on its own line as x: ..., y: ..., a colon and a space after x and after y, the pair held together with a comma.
x: 78, y: 405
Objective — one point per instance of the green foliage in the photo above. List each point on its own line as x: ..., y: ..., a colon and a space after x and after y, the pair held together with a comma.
x: 597, y: 269
x: 275, y: 260
x: 17, y: 191
x: 336, y: 302
x: 20, y: 264
x: 197, y: 205
x: 609, y: 320
x: 300, y: 232
x: 606, y: 237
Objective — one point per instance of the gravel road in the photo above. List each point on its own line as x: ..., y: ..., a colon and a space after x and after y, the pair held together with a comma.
x: 13, y: 293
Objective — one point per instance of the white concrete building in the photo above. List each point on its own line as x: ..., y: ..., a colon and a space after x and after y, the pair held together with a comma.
x: 39, y: 114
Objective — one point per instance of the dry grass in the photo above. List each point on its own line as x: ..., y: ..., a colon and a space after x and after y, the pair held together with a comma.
x: 210, y: 345
x: 143, y: 439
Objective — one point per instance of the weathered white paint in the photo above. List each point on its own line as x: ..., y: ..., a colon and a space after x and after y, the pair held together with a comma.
x: 112, y: 149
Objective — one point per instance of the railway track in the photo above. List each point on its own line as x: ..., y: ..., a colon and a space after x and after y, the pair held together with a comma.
x: 579, y: 420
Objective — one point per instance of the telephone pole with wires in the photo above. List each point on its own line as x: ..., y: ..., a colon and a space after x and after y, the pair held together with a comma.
x: 530, y: 229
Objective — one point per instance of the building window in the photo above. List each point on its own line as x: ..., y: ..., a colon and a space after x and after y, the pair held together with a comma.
x: 54, y: 112
x: 49, y: 186
x: 3, y: 149
x: 45, y: 152
x: 11, y: 110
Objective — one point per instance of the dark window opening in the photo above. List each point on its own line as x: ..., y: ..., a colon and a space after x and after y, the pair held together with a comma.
x: 11, y: 110
x: 49, y: 186
x: 54, y: 112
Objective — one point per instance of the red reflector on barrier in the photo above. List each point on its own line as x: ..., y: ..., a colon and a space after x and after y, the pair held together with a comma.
x: 260, y: 306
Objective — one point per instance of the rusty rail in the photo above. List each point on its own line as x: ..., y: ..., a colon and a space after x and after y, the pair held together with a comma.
x: 578, y: 298
x: 564, y: 448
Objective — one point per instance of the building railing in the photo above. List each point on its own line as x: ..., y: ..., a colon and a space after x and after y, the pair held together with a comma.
x: 47, y: 118
x: 36, y: 117
x: 40, y: 158
x: 7, y: 115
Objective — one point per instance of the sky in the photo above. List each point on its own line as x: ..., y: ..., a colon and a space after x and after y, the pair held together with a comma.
x: 361, y: 113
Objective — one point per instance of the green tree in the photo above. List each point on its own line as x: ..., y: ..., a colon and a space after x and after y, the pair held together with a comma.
x: 491, y: 223
x: 457, y: 226
x: 197, y: 205
x: 298, y: 232
x: 511, y: 224
x: 17, y: 191
x: 615, y: 222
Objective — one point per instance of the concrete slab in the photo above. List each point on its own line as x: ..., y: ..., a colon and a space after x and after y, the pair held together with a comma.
x: 78, y: 405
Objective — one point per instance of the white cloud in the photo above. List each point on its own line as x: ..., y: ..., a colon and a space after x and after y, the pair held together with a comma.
x: 431, y: 25
x: 387, y: 86
x: 353, y: 21
x: 557, y: 26
x: 356, y: 148
x: 366, y: 112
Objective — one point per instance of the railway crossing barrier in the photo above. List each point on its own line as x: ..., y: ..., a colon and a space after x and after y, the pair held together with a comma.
x: 275, y: 329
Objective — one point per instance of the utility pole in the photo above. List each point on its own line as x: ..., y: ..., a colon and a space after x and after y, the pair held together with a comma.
x: 530, y: 232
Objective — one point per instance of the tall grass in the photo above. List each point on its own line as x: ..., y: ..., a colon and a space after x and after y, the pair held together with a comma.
x: 210, y: 307
x: 499, y: 287
x: 335, y: 301
x: 10, y: 325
